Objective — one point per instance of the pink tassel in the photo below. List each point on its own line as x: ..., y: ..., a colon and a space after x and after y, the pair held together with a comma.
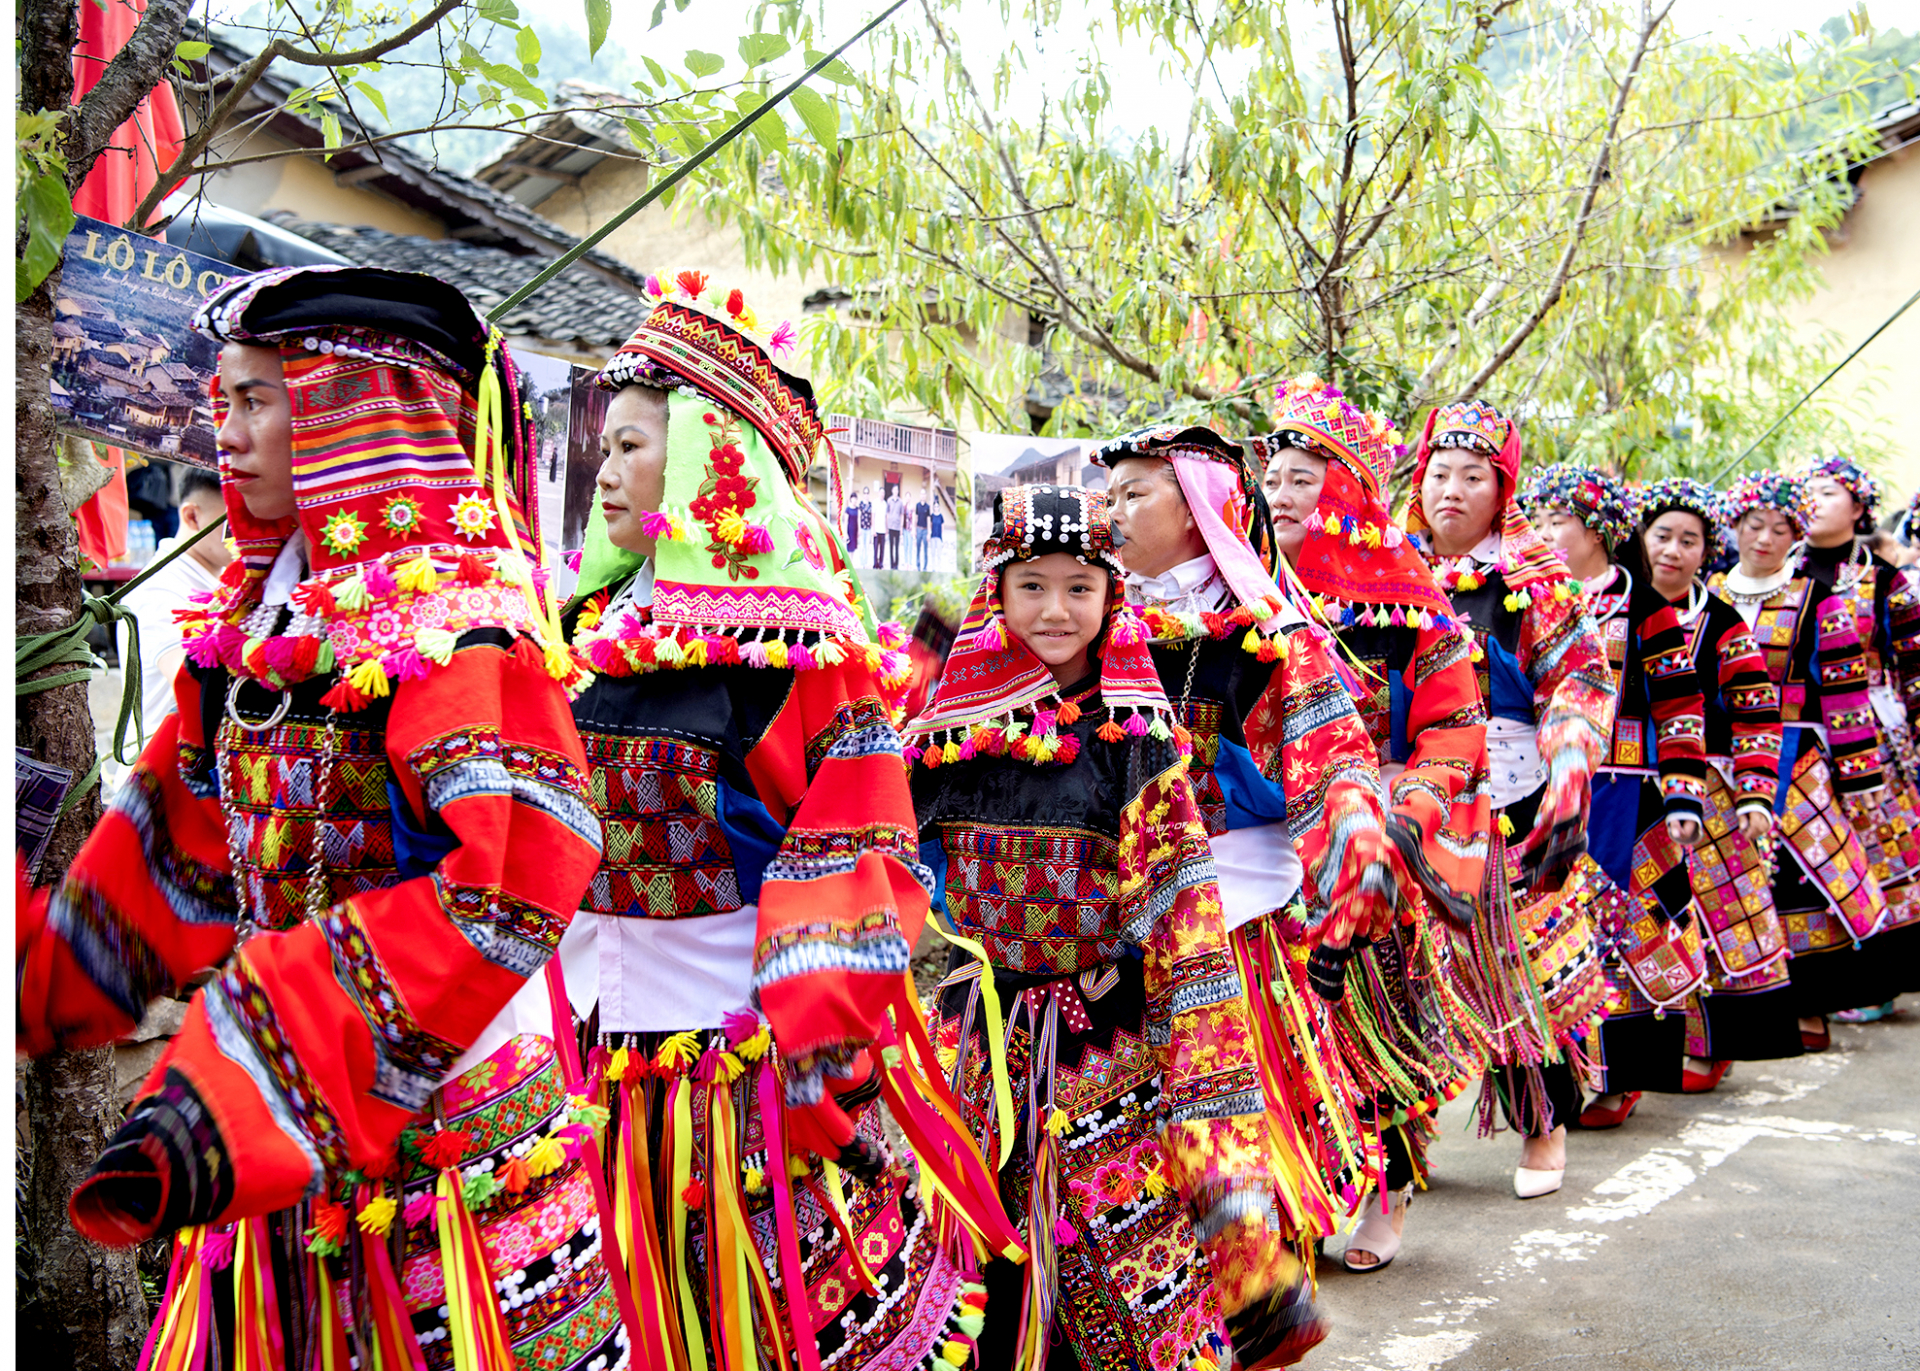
x: 204, y: 650
x: 405, y: 665
x: 757, y: 540
x: 379, y: 580
x: 656, y: 525
x: 541, y: 579
x: 910, y: 752
x: 1137, y: 725
x: 1128, y: 628
x: 966, y: 748
x: 217, y: 1254
x: 279, y: 654
x: 755, y: 653
x: 1044, y: 720
x: 419, y: 1210
x: 1397, y: 619
x: 893, y: 636
x: 739, y: 1025
x: 1064, y: 1233
x: 1070, y: 748
x: 990, y: 637
x: 603, y: 654
x: 231, y: 643
x: 799, y: 658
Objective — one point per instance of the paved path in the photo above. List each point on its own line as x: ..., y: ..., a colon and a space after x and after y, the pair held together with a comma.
x: 1773, y: 1225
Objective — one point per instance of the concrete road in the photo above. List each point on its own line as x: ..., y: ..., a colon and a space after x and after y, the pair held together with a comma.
x: 1772, y: 1225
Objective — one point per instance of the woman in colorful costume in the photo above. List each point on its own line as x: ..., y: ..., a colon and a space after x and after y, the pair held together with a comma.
x: 1825, y: 892
x: 1287, y: 780
x: 1648, y: 795
x: 1885, y: 603
x: 1549, y: 697
x: 761, y: 891
x: 1748, y: 1016
x: 1422, y: 709
x: 371, y: 811
x: 1070, y: 857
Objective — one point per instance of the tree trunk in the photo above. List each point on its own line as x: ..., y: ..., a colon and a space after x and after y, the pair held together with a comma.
x: 78, y: 1305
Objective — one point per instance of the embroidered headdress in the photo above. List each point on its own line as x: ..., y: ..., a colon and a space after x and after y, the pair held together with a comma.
x: 1678, y: 492
x: 1858, y: 481
x: 1357, y: 562
x: 994, y: 694
x: 1219, y: 490
x: 1764, y: 490
x: 410, y: 450
x: 1526, y: 563
x: 1602, y: 502
x: 745, y: 569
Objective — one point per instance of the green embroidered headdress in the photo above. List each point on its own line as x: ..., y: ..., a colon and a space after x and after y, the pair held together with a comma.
x: 745, y: 569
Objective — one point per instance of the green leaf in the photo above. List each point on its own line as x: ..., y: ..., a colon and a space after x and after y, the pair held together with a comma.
x: 498, y: 11
x: 526, y: 46
x: 817, y: 112
x: 659, y: 13
x: 655, y: 70
x: 704, y: 63
x: 191, y: 50
x: 768, y: 130
x: 49, y: 214
x: 599, y: 16
x: 330, y: 129
x: 835, y: 71
x: 374, y: 97
x: 756, y: 48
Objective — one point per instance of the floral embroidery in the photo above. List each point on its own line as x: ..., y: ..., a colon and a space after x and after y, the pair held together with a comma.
x: 724, y: 499
x: 471, y: 517
x: 401, y: 515
x: 344, y: 532
x: 809, y: 547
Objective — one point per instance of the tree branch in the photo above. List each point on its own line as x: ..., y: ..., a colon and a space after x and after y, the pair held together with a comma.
x: 210, y: 128
x: 1650, y: 21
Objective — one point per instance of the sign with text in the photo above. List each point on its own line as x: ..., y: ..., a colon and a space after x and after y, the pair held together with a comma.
x: 127, y: 368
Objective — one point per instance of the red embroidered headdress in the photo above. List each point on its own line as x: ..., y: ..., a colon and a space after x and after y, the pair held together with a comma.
x: 995, y: 695
x: 1357, y: 562
x: 410, y: 452
x: 1526, y: 561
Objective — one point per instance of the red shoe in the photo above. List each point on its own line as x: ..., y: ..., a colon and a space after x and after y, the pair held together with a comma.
x: 1700, y: 1082
x: 1817, y: 1042
x: 1593, y: 1116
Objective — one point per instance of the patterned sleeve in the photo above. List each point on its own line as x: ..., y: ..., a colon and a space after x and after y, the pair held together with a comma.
x: 147, y: 903
x: 1679, y: 713
x: 845, y: 896
x: 1903, y: 631
x: 315, y: 1047
x: 1306, y: 733
x: 1841, y: 663
x: 1753, y: 706
x: 1215, y: 1136
x: 1442, y: 793
x: 1573, y: 698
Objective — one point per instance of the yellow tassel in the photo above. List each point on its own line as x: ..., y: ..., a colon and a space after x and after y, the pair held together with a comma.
x: 617, y: 1063
x: 735, y: 1067
x: 682, y: 1049
x: 546, y: 1157
x: 754, y: 1048
x: 370, y: 678
x: 559, y: 662
x: 731, y: 528
x: 777, y: 653
x: 754, y: 1181
x: 955, y: 1353
x: 419, y: 576
x: 950, y: 753
x: 1058, y: 1122
x: 696, y: 653
x: 1333, y: 523
x: 376, y: 1216
x: 1155, y: 1185
x: 1506, y: 826
x: 1250, y: 643
x: 797, y: 1167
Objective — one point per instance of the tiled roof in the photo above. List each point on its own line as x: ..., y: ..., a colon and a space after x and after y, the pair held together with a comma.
x: 576, y: 307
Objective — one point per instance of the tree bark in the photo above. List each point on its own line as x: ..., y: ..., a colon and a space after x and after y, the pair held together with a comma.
x: 78, y: 1305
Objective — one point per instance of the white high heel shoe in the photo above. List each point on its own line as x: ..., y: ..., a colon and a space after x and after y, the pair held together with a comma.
x: 1530, y: 1184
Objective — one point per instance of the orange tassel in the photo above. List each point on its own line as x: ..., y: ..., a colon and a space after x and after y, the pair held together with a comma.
x: 1110, y: 732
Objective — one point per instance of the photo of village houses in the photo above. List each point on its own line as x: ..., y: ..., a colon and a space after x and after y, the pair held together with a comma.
x: 127, y: 368
x: 1001, y: 460
x: 901, y: 487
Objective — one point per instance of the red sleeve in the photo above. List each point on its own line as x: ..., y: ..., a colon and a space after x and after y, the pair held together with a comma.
x: 1753, y: 708
x: 1679, y: 712
x: 1442, y: 792
x: 146, y: 904
x: 317, y: 1046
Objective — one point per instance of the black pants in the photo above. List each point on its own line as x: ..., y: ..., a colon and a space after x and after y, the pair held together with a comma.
x: 893, y: 548
x: 1564, y: 1096
x: 999, y: 1341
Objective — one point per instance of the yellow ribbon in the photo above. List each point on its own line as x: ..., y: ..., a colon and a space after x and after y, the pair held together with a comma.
x: 996, y: 1039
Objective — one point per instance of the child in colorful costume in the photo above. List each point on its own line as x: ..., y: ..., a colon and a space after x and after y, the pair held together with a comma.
x: 1648, y: 794
x: 1287, y: 780
x: 1423, y: 713
x: 1549, y: 698
x: 1884, y: 600
x: 1105, y: 1050
x: 1748, y: 1016
x: 371, y: 811
x: 1823, y: 888
x: 761, y: 891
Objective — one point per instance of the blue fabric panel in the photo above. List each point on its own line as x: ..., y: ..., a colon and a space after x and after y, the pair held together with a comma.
x: 934, y: 856
x: 1511, y: 690
x: 1399, y: 701
x: 1252, y: 799
x: 752, y: 835
x: 1614, y: 822
x: 417, y: 848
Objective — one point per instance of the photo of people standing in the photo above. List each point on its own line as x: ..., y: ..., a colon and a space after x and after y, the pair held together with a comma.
x: 901, y: 482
